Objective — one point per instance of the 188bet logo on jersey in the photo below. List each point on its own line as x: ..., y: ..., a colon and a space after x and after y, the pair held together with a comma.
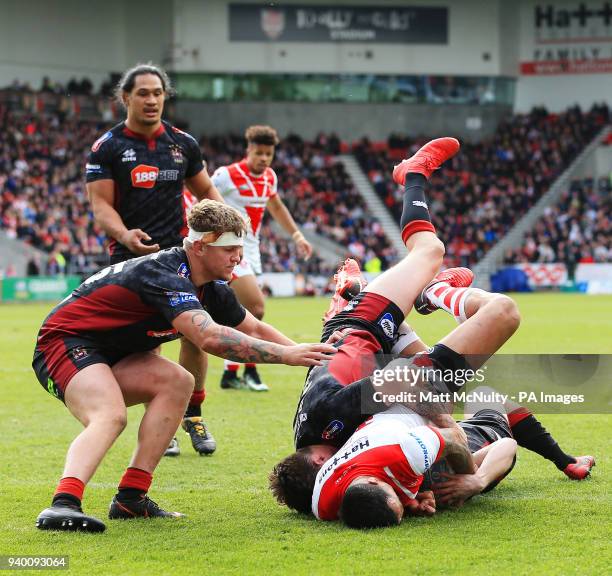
x: 144, y: 176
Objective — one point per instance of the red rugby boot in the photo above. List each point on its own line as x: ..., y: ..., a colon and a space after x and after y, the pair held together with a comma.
x: 426, y: 159
x: 580, y: 469
x: 349, y: 282
x: 454, y: 277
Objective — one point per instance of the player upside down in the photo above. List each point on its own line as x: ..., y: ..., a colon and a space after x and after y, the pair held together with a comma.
x: 337, y: 398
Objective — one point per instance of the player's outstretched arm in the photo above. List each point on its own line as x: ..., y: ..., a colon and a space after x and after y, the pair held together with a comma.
x: 495, y: 461
x: 225, y: 342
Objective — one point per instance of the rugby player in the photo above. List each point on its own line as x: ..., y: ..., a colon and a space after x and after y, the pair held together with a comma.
x: 292, y: 480
x: 135, y: 176
x: 251, y: 186
x: 376, y: 476
x: 373, y: 479
x: 95, y: 353
x: 337, y: 398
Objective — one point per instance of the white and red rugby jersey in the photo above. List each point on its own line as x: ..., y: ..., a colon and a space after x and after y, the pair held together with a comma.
x: 387, y: 446
x: 248, y: 193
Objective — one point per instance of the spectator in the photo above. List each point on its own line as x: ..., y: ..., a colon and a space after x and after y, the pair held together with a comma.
x: 33, y: 267
x: 73, y: 87
x: 577, y: 229
x: 56, y: 265
x: 46, y: 86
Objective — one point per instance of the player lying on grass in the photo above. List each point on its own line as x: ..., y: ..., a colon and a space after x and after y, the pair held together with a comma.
x: 334, y: 401
x: 338, y: 396
x: 293, y: 479
x: 94, y: 352
x: 376, y: 476
x: 372, y: 481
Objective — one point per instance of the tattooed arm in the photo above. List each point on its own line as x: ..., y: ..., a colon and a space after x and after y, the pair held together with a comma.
x: 225, y: 342
x: 494, y: 463
x: 457, y: 452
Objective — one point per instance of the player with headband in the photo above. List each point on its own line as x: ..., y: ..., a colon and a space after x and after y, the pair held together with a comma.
x: 95, y: 353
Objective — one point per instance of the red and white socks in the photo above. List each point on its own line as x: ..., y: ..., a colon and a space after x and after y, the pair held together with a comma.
x: 452, y: 300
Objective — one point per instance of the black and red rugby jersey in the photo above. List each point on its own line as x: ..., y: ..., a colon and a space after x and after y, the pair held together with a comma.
x: 130, y: 306
x: 149, y: 176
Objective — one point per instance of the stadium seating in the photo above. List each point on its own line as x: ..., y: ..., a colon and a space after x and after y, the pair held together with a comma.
x: 474, y: 199
x: 481, y: 193
x: 44, y: 202
x: 317, y: 191
x: 42, y: 191
x: 576, y: 230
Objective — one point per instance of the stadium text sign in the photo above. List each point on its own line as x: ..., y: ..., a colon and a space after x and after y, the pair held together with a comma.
x: 338, y: 23
x: 567, y: 38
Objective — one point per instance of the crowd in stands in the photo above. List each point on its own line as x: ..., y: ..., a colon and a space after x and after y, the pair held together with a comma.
x: 478, y: 195
x: 43, y: 199
x: 74, y: 87
x: 76, y: 99
x: 474, y: 199
x: 576, y: 230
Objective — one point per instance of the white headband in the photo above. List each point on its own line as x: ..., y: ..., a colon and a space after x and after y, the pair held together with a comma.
x: 226, y: 239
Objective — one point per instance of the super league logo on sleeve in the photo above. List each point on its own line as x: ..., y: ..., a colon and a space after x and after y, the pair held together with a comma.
x: 387, y: 325
x: 332, y: 430
x: 176, y: 298
x: 183, y: 271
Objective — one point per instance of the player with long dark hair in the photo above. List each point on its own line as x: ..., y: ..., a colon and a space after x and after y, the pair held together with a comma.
x: 136, y: 173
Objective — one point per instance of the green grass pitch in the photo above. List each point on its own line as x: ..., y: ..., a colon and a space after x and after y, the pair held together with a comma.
x: 535, y: 522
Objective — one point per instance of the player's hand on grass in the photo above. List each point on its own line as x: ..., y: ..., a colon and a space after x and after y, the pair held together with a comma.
x: 133, y: 241
x: 457, y: 488
x: 308, y: 354
x: 423, y: 505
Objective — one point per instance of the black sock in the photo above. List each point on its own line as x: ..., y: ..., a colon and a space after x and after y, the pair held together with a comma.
x: 193, y: 410
x: 415, y: 205
x: 129, y: 494
x: 529, y: 433
x: 63, y: 499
